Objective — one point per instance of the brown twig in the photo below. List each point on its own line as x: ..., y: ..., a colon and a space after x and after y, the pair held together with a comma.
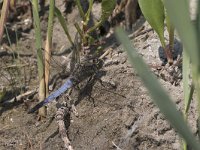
x: 139, y: 32
x: 108, y: 51
x: 14, y: 54
x: 19, y: 97
x: 15, y: 66
x: 60, y: 116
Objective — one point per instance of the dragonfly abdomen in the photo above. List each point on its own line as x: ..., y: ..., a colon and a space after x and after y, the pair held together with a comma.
x: 68, y: 84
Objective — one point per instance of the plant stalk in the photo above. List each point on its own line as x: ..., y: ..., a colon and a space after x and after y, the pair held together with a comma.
x: 80, y: 9
x: 48, y: 46
x: 4, y: 16
x: 40, y: 63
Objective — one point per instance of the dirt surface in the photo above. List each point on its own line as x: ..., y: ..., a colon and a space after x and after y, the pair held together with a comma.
x: 120, y: 116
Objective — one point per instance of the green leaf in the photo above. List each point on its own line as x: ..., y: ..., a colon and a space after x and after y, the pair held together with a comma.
x: 188, y: 88
x: 154, y: 13
x: 178, y: 11
x: 158, y: 94
x: 107, y: 7
x: 198, y: 17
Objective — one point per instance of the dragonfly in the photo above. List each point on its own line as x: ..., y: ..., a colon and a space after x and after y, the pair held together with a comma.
x: 68, y: 83
x: 81, y: 70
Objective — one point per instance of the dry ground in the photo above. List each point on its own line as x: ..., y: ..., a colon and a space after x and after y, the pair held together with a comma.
x: 122, y: 115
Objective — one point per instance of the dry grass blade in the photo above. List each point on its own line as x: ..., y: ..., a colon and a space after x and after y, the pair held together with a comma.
x: 4, y: 15
x: 48, y: 46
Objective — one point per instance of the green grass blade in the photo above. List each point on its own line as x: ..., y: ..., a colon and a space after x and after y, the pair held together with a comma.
x: 170, y: 29
x: 50, y: 21
x: 198, y: 17
x: 158, y: 94
x: 63, y: 24
x: 178, y: 11
x: 188, y: 88
x: 196, y: 71
x: 80, y: 9
x: 88, y: 13
x: 40, y: 62
x: 38, y: 38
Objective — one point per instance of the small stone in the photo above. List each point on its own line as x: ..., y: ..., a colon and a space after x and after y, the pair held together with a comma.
x: 129, y: 122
